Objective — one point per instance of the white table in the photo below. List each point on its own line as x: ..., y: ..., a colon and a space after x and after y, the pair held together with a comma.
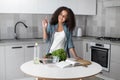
x: 51, y: 71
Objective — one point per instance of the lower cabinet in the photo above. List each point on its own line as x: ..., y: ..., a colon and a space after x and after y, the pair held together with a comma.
x: 43, y: 49
x: 29, y: 52
x: 14, y: 58
x: 78, y: 48
x: 2, y: 63
x: 115, y: 62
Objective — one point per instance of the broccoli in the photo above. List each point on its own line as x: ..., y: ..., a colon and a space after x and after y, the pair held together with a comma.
x: 60, y: 53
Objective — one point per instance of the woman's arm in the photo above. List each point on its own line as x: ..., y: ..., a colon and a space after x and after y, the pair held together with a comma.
x: 44, y: 25
x: 44, y: 34
x: 73, y: 52
x: 71, y: 47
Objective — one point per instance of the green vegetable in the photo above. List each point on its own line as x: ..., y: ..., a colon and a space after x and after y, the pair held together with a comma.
x: 60, y: 53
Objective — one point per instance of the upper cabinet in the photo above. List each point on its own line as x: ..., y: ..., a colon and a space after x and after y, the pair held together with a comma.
x: 79, y: 7
x: 111, y: 3
x: 18, y: 6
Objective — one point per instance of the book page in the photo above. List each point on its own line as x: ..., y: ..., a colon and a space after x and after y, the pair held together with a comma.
x: 73, y: 62
x: 63, y: 64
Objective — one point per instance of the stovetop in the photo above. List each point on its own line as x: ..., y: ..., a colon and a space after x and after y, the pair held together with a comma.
x: 108, y: 38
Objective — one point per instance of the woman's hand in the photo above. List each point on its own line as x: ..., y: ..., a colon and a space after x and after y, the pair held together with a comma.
x: 78, y: 58
x: 45, y: 23
x: 72, y: 50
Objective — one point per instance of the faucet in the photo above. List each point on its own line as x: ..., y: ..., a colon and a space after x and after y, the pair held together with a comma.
x: 16, y: 26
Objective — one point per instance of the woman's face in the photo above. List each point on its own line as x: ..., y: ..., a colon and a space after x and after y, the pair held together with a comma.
x: 62, y: 16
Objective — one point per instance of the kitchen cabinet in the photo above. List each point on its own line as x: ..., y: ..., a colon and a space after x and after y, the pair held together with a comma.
x: 2, y: 63
x: 14, y: 58
x: 43, y: 49
x: 79, y: 48
x: 79, y: 7
x: 29, y: 52
x: 111, y: 3
x: 115, y: 62
x: 18, y: 6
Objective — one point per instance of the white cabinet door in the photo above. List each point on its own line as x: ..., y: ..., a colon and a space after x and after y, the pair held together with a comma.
x: 79, y: 48
x: 2, y: 63
x: 47, y: 6
x: 29, y: 52
x: 43, y: 49
x: 18, y: 6
x: 115, y: 62
x: 79, y: 7
x: 115, y: 53
x: 14, y: 59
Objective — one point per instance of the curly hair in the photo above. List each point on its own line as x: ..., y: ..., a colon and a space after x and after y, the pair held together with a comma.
x: 70, y: 21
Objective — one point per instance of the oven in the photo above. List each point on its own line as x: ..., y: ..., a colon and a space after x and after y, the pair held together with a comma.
x: 100, y: 53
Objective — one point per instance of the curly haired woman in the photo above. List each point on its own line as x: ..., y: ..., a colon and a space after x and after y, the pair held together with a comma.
x: 58, y: 33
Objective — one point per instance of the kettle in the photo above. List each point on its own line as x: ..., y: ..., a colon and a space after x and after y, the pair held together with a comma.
x: 79, y: 32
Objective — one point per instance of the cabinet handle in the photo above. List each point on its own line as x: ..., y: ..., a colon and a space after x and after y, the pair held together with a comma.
x: 86, y: 47
x: 30, y: 46
x: 16, y: 47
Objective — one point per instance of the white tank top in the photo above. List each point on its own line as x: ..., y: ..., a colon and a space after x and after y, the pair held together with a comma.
x: 58, y: 42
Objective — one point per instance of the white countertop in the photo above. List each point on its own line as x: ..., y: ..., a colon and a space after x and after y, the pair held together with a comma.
x: 51, y: 71
x: 22, y: 41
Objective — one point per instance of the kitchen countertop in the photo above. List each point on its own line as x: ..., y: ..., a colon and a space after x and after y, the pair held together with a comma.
x: 20, y: 41
x: 32, y: 40
x: 106, y: 41
x: 93, y: 39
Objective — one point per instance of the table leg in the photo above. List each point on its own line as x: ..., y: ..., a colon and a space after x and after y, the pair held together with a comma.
x: 44, y: 79
x: 55, y: 79
x: 41, y: 79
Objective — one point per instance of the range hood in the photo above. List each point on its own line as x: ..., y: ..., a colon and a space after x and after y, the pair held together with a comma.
x: 111, y: 3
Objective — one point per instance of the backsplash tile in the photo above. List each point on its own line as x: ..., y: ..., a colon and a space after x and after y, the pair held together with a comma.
x: 105, y: 23
x: 33, y: 21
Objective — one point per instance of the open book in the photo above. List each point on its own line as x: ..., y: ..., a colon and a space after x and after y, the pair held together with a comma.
x: 72, y: 63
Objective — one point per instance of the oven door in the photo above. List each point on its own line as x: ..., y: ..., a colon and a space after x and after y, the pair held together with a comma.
x: 101, y: 56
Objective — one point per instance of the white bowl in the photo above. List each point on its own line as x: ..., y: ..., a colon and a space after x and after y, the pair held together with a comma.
x: 47, y: 61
